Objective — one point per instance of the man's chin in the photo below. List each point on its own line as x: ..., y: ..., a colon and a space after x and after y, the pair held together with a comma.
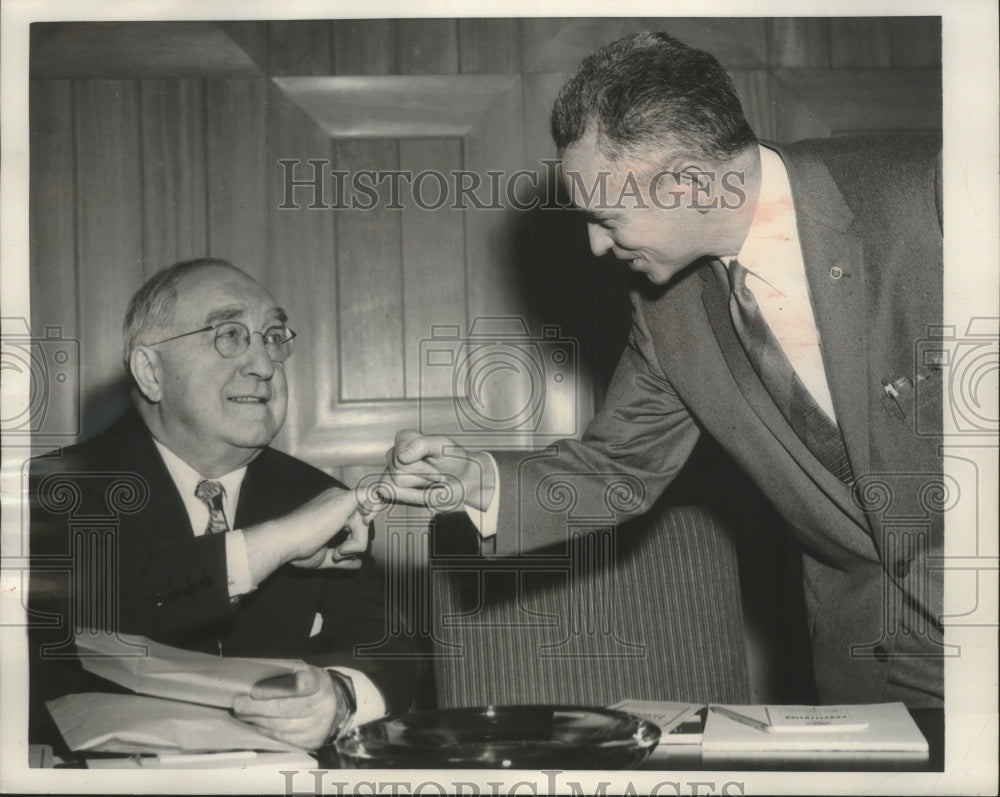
x: 659, y: 277
x: 254, y: 435
x: 654, y: 273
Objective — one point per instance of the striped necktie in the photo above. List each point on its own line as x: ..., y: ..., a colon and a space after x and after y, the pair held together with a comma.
x: 813, y: 426
x: 211, y: 493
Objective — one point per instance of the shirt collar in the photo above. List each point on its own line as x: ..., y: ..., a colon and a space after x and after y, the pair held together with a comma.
x: 186, y: 478
x: 773, y: 226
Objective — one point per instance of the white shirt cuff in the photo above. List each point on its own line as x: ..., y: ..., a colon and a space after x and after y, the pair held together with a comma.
x: 486, y: 521
x: 237, y: 565
x: 370, y: 703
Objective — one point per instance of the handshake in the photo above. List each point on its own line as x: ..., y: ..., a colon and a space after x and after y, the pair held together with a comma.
x: 334, y: 529
x: 431, y: 471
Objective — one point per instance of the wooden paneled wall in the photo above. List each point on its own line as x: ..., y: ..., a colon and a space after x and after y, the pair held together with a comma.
x: 156, y: 141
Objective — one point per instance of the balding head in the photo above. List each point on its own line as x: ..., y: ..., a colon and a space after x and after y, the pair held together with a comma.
x: 152, y: 307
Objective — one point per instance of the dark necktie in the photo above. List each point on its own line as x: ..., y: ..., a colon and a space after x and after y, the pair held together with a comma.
x: 813, y: 426
x: 211, y: 494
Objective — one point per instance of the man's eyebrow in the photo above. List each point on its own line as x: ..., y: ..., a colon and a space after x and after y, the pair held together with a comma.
x: 598, y: 215
x: 230, y: 313
x: 223, y: 314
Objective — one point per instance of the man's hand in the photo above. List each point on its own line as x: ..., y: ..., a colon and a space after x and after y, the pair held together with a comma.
x: 302, y: 536
x: 435, y: 472
x: 303, y: 712
x: 345, y: 549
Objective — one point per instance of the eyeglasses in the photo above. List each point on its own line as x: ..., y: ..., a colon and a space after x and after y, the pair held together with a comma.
x: 233, y: 338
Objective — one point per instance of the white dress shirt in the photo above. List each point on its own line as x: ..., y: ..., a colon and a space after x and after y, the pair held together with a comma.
x: 772, y: 255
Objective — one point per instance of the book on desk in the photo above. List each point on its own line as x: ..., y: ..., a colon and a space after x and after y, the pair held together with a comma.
x: 828, y: 733
x: 756, y: 735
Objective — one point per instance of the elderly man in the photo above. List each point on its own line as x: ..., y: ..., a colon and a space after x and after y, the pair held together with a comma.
x: 224, y: 548
x: 788, y: 290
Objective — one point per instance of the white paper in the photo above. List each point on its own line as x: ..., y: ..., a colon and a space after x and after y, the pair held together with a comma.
x: 165, y: 671
x: 99, y: 722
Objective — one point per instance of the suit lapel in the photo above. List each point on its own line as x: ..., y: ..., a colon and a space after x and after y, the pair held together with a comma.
x: 835, y: 271
x: 164, y: 516
x: 257, y: 500
x: 716, y: 300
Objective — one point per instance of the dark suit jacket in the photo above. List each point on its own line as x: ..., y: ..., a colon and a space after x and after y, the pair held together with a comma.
x: 107, y: 514
x: 869, y: 221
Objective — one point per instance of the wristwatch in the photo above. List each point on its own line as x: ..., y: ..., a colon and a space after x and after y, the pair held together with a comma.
x: 345, y: 688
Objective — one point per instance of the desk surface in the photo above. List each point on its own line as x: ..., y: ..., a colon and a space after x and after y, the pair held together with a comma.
x: 930, y: 722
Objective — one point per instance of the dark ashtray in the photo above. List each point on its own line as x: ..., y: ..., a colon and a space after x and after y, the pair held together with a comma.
x: 501, y: 737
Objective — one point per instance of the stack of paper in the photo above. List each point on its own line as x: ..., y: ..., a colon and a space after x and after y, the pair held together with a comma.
x: 181, y: 712
x: 104, y: 723
x: 151, y: 668
x: 857, y: 733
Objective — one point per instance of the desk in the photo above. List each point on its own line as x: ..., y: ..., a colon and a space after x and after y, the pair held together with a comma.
x: 930, y: 722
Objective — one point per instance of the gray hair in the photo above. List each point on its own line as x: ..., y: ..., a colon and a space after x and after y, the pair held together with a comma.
x: 153, y: 305
x: 651, y: 91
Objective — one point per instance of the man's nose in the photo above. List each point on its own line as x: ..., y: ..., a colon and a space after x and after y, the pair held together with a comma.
x: 258, y: 363
x: 600, y: 241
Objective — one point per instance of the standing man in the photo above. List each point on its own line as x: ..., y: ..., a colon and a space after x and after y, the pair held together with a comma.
x: 788, y: 289
x: 221, y: 542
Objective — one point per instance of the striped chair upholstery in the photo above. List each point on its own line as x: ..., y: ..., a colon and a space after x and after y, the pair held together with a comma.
x: 651, y: 613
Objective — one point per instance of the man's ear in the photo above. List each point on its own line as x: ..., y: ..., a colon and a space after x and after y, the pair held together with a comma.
x: 698, y: 179
x: 696, y: 174
x: 144, y: 364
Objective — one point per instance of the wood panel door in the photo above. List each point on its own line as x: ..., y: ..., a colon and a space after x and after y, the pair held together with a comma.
x: 393, y: 245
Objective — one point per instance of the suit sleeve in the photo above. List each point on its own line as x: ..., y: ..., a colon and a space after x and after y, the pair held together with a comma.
x: 175, y: 588
x: 628, y: 455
